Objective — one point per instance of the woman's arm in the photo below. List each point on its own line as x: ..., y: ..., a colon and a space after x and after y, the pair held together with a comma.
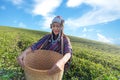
x: 59, y: 66
x: 65, y: 58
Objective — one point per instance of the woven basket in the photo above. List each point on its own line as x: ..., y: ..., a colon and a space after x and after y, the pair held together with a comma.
x: 37, y: 64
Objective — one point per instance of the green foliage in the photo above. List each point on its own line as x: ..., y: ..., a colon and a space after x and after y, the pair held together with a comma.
x: 91, y: 60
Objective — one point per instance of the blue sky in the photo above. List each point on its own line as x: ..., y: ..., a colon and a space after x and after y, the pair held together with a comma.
x: 92, y: 19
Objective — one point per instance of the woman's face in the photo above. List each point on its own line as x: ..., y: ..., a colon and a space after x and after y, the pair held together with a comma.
x: 56, y: 28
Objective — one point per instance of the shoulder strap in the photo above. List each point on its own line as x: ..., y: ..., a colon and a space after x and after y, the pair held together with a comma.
x: 45, y: 41
x: 62, y: 46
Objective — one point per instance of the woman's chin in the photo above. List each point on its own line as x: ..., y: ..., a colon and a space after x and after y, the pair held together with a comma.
x: 56, y: 33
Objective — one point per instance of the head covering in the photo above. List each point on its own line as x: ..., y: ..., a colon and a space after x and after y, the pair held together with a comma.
x: 58, y: 19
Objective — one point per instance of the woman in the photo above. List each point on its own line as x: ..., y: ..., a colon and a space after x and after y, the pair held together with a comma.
x: 55, y: 41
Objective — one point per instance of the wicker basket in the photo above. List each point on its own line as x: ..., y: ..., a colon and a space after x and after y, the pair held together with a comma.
x: 37, y: 64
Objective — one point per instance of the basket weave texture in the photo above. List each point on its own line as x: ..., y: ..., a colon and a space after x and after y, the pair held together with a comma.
x: 37, y: 64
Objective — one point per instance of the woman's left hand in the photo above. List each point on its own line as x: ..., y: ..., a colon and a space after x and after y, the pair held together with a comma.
x: 59, y: 66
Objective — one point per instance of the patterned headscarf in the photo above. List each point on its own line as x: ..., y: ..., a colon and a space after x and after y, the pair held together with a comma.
x: 58, y: 19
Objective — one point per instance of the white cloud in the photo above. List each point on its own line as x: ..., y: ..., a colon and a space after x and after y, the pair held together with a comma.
x: 87, y: 30
x: 103, y: 38
x: 45, y: 7
x: 74, y: 3
x: 84, y: 30
x: 22, y: 25
x: 83, y: 36
x: 16, y: 2
x: 103, y: 11
x: 46, y: 22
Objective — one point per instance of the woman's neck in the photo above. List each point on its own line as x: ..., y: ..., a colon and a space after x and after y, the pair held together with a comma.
x: 55, y: 36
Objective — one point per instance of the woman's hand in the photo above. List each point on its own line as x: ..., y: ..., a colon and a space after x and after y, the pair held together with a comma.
x: 21, y: 58
x: 59, y: 66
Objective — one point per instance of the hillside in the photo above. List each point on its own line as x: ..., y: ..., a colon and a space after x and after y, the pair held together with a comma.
x: 91, y: 60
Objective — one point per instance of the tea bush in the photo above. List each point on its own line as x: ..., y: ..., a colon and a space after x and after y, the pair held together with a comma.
x: 91, y: 60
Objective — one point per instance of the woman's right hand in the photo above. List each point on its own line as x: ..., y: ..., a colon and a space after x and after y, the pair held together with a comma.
x: 21, y: 59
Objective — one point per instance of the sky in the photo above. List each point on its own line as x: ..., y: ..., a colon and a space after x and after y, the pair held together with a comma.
x: 97, y: 20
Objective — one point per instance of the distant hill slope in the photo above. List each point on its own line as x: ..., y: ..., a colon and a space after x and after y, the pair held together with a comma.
x: 95, y: 45
x: 91, y: 60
